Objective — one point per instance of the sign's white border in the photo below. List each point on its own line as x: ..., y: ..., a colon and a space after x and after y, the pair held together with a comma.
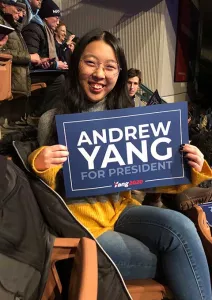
x: 125, y: 116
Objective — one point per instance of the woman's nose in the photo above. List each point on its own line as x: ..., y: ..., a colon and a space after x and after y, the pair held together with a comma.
x: 99, y: 73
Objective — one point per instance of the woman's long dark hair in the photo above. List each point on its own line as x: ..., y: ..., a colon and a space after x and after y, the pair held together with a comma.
x: 75, y: 100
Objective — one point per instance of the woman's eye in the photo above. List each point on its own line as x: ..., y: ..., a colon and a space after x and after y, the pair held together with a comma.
x: 110, y: 67
x: 90, y: 63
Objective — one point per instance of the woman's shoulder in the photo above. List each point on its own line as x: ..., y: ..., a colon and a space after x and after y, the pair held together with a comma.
x: 44, y: 125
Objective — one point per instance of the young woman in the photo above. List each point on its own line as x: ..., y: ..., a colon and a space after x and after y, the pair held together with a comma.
x: 144, y: 242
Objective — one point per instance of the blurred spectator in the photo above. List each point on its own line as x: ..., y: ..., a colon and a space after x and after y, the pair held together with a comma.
x: 10, y: 12
x: 3, y: 41
x: 33, y: 7
x: 133, y: 82
x: 39, y: 36
x: 63, y: 51
x: 60, y: 33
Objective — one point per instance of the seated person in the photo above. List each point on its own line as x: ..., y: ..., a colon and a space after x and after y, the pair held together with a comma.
x: 15, y: 45
x: 33, y: 7
x: 63, y: 51
x: 133, y: 82
x: 10, y: 14
x: 39, y: 37
x: 144, y: 242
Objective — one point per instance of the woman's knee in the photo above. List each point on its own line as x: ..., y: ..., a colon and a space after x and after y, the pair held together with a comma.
x: 178, y: 220
x: 131, y: 256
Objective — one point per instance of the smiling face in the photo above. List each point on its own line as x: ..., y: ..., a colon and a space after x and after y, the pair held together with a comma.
x: 12, y: 10
x: 61, y: 33
x: 98, y: 70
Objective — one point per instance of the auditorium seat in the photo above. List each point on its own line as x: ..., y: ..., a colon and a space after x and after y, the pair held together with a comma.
x: 5, y: 76
x: 198, y: 216
x: 84, y: 274
x: 84, y: 286
x: 148, y: 290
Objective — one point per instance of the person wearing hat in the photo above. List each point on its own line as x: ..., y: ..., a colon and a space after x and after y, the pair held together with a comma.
x: 39, y: 37
x: 14, y: 8
x: 10, y: 13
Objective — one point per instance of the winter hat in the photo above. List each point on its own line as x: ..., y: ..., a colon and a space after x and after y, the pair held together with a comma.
x: 49, y: 9
x: 19, y: 3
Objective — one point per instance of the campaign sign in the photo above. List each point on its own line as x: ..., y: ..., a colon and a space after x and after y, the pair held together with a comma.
x: 207, y: 207
x: 123, y: 149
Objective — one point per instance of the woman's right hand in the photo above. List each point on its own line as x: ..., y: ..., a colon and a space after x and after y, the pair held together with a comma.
x: 51, y: 156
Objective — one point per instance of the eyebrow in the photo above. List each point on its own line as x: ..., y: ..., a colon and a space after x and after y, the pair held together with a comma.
x: 91, y: 55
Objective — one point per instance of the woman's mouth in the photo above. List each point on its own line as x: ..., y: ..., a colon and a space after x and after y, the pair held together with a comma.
x: 96, y: 87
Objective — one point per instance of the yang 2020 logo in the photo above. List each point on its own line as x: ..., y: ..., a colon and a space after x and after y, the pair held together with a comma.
x: 118, y: 184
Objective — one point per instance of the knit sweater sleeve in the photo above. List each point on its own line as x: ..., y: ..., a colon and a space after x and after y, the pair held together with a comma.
x: 48, y: 175
x: 196, y: 179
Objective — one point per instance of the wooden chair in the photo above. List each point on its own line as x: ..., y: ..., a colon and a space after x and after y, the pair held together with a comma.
x: 5, y: 76
x: 38, y: 86
x: 147, y: 290
x: 84, y: 274
x: 198, y: 216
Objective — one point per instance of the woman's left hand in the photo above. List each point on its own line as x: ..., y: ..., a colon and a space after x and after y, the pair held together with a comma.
x: 194, y: 156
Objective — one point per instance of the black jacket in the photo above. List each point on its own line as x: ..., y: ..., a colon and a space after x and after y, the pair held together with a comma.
x: 25, y: 241
x: 63, y: 52
x: 36, y: 40
x: 30, y: 210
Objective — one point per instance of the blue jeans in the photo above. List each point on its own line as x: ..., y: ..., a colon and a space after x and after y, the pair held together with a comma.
x: 150, y: 242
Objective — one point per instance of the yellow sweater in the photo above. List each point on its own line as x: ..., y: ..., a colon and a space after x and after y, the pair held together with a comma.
x: 99, y: 214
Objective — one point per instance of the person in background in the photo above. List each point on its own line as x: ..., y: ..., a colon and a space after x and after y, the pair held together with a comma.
x: 63, y: 51
x: 10, y: 13
x: 144, y: 242
x: 39, y: 37
x: 133, y: 82
x: 33, y: 7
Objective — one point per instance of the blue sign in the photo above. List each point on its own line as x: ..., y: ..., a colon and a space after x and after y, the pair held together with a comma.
x: 124, y: 149
x: 207, y: 208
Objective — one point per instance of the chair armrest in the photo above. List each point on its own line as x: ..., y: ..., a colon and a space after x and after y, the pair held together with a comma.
x: 38, y: 86
x: 84, y: 274
x: 198, y: 216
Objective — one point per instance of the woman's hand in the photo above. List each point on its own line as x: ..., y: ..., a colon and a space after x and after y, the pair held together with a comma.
x: 51, y: 156
x: 193, y: 155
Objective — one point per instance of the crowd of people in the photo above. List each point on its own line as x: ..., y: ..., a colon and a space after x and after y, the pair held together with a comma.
x: 143, y: 241
x: 39, y: 42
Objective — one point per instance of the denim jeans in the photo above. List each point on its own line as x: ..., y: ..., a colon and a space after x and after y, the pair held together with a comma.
x: 150, y: 242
